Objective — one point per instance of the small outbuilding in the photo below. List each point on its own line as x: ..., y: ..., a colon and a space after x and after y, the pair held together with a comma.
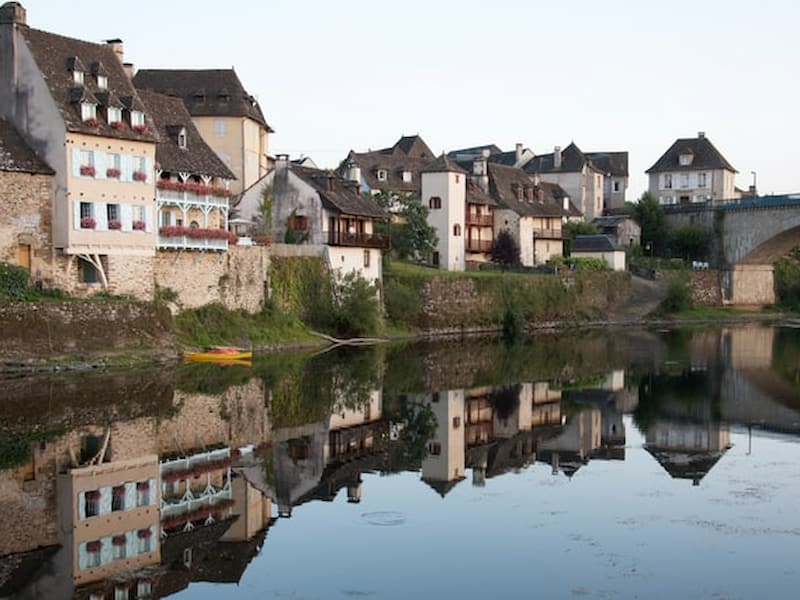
x: 599, y: 246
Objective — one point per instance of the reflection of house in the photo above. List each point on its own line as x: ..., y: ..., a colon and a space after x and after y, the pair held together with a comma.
x: 685, y: 449
x: 575, y: 445
x: 612, y: 427
x: 443, y: 467
x: 192, y: 185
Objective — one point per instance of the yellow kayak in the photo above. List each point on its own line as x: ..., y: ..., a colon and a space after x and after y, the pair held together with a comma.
x: 219, y: 354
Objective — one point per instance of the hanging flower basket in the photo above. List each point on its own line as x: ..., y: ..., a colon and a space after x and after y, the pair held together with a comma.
x: 113, y: 173
x: 115, y: 224
x: 139, y: 225
x: 88, y: 223
x: 87, y: 171
x: 139, y: 176
x: 198, y: 233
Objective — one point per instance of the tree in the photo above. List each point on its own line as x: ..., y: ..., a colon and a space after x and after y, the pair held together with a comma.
x: 689, y: 242
x: 412, y: 238
x: 650, y: 217
x: 504, y: 250
x: 575, y: 228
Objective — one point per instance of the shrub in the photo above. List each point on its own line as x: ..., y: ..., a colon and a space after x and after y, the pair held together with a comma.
x: 13, y: 282
x: 787, y: 282
x: 401, y: 301
x: 504, y: 250
x: 356, y: 310
x: 679, y: 295
x: 166, y: 294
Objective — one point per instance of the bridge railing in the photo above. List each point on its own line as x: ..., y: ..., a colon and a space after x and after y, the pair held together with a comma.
x: 760, y: 202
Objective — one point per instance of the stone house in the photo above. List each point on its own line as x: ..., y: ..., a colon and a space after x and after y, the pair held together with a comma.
x: 601, y: 247
x: 228, y: 118
x: 692, y: 170
x: 74, y: 105
x: 192, y: 183
x: 623, y: 229
x: 26, y: 196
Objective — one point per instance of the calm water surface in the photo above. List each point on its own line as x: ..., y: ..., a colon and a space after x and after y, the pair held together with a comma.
x: 622, y: 464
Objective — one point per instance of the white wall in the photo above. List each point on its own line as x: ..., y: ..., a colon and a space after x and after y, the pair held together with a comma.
x: 344, y: 259
x: 451, y: 188
x: 615, y: 260
x: 449, y: 413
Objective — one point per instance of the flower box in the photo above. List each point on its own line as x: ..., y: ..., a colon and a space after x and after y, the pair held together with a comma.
x: 198, y: 233
x: 169, y: 185
x: 143, y: 534
x: 113, y: 173
x: 115, y: 224
x: 87, y: 171
x: 139, y: 176
x: 118, y: 125
x: 93, y: 547
x: 139, y: 226
x: 139, y: 128
x: 119, y: 540
x: 143, y: 486
x: 88, y: 223
x: 92, y: 122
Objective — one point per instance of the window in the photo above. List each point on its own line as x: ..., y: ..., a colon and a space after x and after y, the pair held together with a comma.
x: 435, y: 397
x: 118, y: 498
x: 685, y: 159
x: 91, y: 504
x: 406, y: 176
x: 219, y: 127
x: 88, y: 273
x: 87, y: 210
x: 668, y: 181
x: 456, y: 422
x: 684, y: 180
x: 143, y: 493
x: 137, y: 118
x: 182, y: 139
x: 102, y: 82
x: 435, y: 202
x: 381, y: 174
x: 144, y: 589
x: 366, y: 258
x: 615, y: 186
x: 298, y: 223
x: 456, y: 230
x: 121, y: 593
x: 434, y: 448
x: 119, y: 546
x: 114, y: 114
x: 86, y: 163
x: 166, y: 218
x: 88, y: 111
x: 145, y: 544
x: 701, y: 180
x: 435, y: 260
x: 77, y: 77
x: 112, y: 214
x: 93, y: 553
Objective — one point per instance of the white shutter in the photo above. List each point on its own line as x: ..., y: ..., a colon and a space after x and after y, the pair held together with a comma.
x: 76, y: 214
x: 153, y: 495
x: 100, y: 163
x: 148, y: 219
x: 125, y: 167
x: 130, y: 494
x: 101, y: 215
x: 148, y: 169
x: 81, y: 505
x: 105, y: 500
x: 106, y: 550
x: 126, y: 216
x: 76, y: 162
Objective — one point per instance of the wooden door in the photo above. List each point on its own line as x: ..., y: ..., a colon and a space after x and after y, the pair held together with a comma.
x: 24, y: 256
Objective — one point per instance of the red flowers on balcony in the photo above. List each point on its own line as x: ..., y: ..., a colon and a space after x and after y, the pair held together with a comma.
x: 93, y: 547
x: 139, y: 128
x: 113, y: 173
x: 87, y: 171
x: 118, y: 125
x: 198, y: 233
x: 88, y: 223
x: 193, y: 188
x: 139, y: 176
x: 92, y: 122
x: 139, y: 225
x: 115, y: 224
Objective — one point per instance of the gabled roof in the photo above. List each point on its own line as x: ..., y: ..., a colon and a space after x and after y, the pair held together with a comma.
x: 57, y: 55
x: 442, y: 165
x: 170, y: 116
x: 504, y: 182
x: 692, y: 465
x: 16, y: 155
x: 206, y: 92
x: 572, y: 161
x: 443, y: 487
x: 344, y: 197
x: 705, y: 156
x: 413, y: 146
x: 408, y: 154
x: 592, y: 243
x: 474, y: 151
x: 613, y: 163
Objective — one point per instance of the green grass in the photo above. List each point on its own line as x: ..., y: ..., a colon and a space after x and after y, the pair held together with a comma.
x: 714, y: 313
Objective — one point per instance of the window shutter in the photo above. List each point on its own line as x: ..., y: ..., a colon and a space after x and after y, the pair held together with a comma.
x: 148, y: 219
x: 76, y: 162
x: 100, y: 165
x: 126, y: 214
x: 101, y: 216
x: 148, y: 169
x: 126, y: 168
x: 76, y: 214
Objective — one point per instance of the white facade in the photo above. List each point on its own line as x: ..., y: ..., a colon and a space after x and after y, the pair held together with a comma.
x: 445, y: 460
x: 615, y: 259
x: 366, y: 261
x: 682, y: 187
x: 444, y: 193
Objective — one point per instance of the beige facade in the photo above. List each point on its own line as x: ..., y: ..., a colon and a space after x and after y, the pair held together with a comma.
x: 548, y: 240
x: 686, y: 187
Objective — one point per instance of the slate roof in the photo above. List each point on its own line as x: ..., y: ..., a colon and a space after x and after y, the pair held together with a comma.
x: 613, y: 163
x: 706, y: 156
x: 170, y: 116
x: 593, y: 243
x: 443, y: 487
x: 572, y: 160
x: 344, y: 197
x: 410, y: 153
x: 443, y: 164
x: 504, y: 158
x: 206, y: 92
x: 685, y: 465
x: 56, y: 54
x: 16, y: 155
x: 464, y: 153
x: 502, y: 186
x: 475, y: 195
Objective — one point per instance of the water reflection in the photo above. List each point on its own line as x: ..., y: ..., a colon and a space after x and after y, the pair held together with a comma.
x: 136, y: 485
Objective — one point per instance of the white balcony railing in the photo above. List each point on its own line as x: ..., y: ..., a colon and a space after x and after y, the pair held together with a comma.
x: 189, y: 198
x: 183, y: 242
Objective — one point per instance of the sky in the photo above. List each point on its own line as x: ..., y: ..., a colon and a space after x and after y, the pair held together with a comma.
x: 610, y: 76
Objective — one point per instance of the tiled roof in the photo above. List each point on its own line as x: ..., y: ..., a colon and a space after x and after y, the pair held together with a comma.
x: 613, y: 163
x: 16, y: 155
x: 206, y: 92
x: 572, y: 161
x: 344, y: 196
x: 443, y: 164
x: 170, y: 116
x: 505, y: 181
x: 408, y: 154
x: 593, y: 243
x: 469, y: 153
x: 57, y: 55
x: 705, y: 156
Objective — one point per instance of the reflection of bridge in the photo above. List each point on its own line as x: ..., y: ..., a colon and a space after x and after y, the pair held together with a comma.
x: 748, y: 235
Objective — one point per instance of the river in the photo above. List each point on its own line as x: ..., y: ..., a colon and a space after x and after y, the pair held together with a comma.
x: 599, y: 464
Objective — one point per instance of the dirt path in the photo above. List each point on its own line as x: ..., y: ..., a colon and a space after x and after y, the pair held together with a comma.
x: 645, y: 297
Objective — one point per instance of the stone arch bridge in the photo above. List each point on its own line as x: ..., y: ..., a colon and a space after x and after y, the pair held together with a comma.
x: 748, y: 235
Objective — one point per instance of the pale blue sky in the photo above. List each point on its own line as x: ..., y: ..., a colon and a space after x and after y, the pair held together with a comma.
x: 613, y: 75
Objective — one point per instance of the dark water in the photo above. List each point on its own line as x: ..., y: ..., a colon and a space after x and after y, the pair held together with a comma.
x: 613, y: 464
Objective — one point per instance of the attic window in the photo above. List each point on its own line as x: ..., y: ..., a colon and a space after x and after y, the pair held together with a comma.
x: 407, y: 176
x: 114, y: 115
x: 199, y: 97
x: 77, y: 77
x: 102, y: 82
x: 381, y: 174
x: 182, y: 139
x: 685, y: 159
x: 224, y: 96
x: 137, y: 118
x: 88, y: 111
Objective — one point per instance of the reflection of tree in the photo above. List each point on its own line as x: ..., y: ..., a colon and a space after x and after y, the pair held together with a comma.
x: 505, y: 400
x: 417, y: 425
x: 786, y: 355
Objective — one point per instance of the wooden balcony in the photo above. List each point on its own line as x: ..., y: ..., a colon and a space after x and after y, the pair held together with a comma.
x: 480, y: 220
x: 479, y: 245
x: 360, y: 240
x: 548, y: 234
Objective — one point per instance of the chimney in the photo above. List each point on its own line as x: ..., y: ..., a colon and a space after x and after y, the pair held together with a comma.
x: 557, y: 157
x: 116, y: 46
x: 129, y: 69
x: 518, y: 153
x: 13, y: 13
x: 353, y: 172
x: 701, y: 134
x: 480, y: 170
x: 331, y: 177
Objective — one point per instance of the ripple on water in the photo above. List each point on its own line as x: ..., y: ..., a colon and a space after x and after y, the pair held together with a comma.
x: 386, y: 518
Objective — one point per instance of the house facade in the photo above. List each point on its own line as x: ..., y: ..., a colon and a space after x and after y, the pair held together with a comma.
x: 443, y: 190
x: 192, y: 183
x: 692, y: 170
x: 73, y: 104
x: 228, y: 118
x: 601, y: 247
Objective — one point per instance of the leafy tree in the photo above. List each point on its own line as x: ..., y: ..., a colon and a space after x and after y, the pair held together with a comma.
x: 572, y: 229
x: 504, y: 250
x: 356, y: 310
x: 412, y: 238
x: 689, y: 241
x: 649, y: 214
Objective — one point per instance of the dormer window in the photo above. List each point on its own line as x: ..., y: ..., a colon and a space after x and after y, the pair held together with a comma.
x: 102, y: 82
x: 182, y: 139
x: 88, y: 111
x: 114, y: 115
x: 406, y: 176
x: 381, y: 174
x: 685, y: 159
x: 77, y: 77
x: 137, y: 118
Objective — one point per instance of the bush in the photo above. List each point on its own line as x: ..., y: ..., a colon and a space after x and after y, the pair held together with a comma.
x: 402, y: 302
x: 356, y: 310
x: 787, y: 282
x: 13, y: 282
x: 588, y: 264
x: 679, y: 295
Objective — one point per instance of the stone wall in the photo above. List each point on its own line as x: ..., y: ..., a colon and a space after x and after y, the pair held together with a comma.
x: 236, y: 278
x: 57, y: 330
x: 706, y: 289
